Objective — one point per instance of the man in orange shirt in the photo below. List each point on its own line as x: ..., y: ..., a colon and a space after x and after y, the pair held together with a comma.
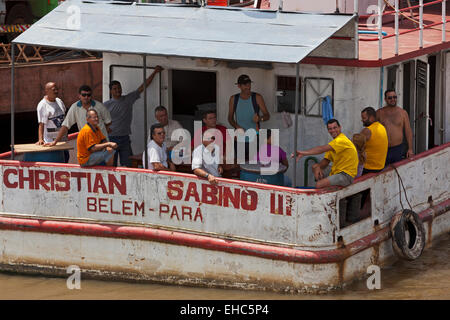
x: 92, y: 147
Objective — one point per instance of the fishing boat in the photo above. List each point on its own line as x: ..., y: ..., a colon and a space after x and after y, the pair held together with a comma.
x: 173, y: 227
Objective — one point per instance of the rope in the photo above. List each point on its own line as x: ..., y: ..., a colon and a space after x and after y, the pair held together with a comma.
x: 400, y: 181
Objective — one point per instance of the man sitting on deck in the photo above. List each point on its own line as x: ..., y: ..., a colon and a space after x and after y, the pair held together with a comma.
x: 157, y: 151
x: 341, y: 152
x: 169, y: 126
x: 206, y: 159
x: 92, y: 147
x: 376, y: 141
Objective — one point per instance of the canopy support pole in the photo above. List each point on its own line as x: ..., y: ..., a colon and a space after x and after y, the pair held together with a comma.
x: 12, y: 100
x: 297, y: 100
x: 144, y: 73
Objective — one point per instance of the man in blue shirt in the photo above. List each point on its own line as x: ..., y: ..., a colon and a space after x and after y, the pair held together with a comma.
x: 244, y: 110
x: 121, y: 111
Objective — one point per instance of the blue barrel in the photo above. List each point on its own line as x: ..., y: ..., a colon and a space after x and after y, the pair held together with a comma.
x: 252, y: 173
x: 48, y: 156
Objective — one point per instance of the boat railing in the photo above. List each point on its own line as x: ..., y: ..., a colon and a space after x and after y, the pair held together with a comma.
x: 399, y: 12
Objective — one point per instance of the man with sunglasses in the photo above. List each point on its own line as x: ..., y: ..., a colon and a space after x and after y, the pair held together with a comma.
x: 77, y: 114
x: 396, y: 122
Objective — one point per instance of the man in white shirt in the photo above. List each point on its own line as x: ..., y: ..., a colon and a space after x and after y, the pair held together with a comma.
x: 51, y: 111
x: 169, y: 125
x: 77, y: 114
x: 156, y: 150
x: 206, y: 159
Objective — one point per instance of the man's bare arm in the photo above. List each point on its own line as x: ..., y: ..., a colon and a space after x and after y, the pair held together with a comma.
x: 150, y: 79
x: 408, y: 134
x: 231, y: 113
x: 262, y: 106
x: 367, y: 133
x: 40, y: 134
x: 101, y: 146
x: 159, y: 166
x: 313, y: 151
x: 61, y: 133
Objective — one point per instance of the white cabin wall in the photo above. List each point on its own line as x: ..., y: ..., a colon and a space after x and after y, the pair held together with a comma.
x: 355, y: 88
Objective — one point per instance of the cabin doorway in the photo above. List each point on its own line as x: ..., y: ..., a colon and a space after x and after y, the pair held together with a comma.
x: 421, y: 119
x: 193, y: 92
x: 131, y: 77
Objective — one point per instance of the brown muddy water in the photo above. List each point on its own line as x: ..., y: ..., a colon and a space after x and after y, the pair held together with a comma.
x: 425, y: 278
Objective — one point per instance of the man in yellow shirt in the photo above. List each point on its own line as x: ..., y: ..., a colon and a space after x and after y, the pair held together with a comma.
x: 376, y: 141
x: 341, y: 152
x: 92, y: 147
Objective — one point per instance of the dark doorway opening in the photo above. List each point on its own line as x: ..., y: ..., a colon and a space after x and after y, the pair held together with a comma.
x: 432, y: 102
x: 192, y: 93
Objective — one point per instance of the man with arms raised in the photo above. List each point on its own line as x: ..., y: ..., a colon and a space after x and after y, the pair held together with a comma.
x: 77, y: 114
x: 396, y: 122
x: 92, y: 147
x: 157, y: 151
x: 376, y: 141
x: 121, y: 110
x: 341, y: 152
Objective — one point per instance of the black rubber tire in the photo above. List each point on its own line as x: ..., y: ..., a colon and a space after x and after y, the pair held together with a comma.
x: 403, y: 223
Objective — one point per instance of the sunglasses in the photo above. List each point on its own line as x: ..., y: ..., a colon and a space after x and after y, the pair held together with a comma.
x: 86, y: 94
x: 393, y: 97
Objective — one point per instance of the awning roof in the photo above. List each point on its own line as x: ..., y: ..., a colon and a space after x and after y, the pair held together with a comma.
x: 185, y: 31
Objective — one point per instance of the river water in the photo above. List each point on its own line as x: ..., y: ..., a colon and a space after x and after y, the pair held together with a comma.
x: 425, y: 278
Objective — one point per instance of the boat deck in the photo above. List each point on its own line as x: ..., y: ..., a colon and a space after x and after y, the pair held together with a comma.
x: 408, y: 43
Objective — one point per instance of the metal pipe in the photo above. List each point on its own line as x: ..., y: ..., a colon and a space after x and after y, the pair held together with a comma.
x: 421, y: 24
x: 381, y: 86
x: 380, y: 33
x: 297, y: 83
x: 12, y: 100
x: 144, y: 73
x: 444, y: 20
x: 396, y: 27
x: 305, y: 168
x: 356, y: 12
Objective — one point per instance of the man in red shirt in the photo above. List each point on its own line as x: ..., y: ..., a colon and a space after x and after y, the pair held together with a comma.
x: 210, y: 120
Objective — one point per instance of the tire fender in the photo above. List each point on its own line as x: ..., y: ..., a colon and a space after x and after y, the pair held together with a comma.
x: 408, y: 235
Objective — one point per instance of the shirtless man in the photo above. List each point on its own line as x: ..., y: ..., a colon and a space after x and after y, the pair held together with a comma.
x: 396, y: 122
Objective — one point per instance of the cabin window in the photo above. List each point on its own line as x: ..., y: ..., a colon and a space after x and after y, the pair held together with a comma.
x: 354, y: 208
x: 286, y: 94
x: 317, y: 92
x: 193, y: 92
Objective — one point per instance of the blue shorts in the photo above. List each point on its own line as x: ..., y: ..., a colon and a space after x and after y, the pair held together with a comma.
x: 99, y: 158
x: 396, y: 154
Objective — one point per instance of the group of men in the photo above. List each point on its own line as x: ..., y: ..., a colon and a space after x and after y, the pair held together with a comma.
x: 104, y: 133
x: 104, y: 129
x: 385, y: 131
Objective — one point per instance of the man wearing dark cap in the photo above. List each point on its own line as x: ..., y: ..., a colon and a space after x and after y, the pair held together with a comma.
x: 245, y: 110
